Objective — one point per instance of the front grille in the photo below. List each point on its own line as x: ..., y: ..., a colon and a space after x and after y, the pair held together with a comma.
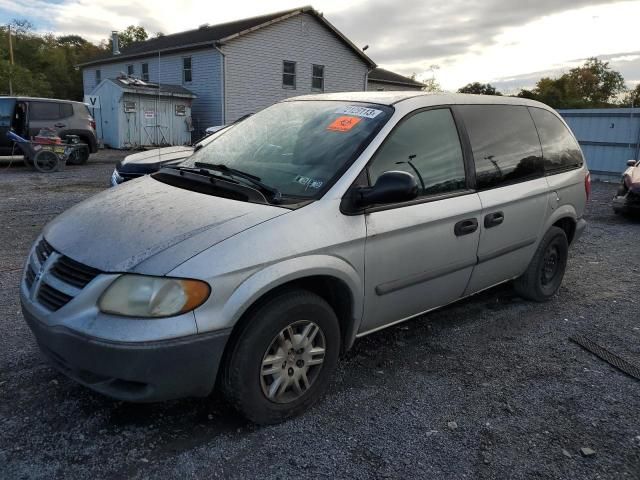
x: 74, y: 273
x: 56, y: 279
x: 29, y: 277
x: 51, y: 298
x: 43, y: 250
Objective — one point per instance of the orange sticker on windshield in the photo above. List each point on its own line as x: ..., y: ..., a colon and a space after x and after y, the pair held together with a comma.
x: 343, y: 124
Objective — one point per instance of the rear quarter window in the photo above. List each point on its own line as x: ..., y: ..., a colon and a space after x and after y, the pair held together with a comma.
x: 66, y: 110
x: 505, y: 144
x: 44, y: 111
x: 560, y: 151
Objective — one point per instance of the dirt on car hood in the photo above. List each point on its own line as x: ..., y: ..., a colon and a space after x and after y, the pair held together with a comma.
x: 146, y: 226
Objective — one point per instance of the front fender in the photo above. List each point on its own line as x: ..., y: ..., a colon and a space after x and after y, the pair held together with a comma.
x: 275, y: 275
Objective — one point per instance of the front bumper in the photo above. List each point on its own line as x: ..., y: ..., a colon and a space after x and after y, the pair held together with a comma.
x: 134, y: 372
x: 628, y: 203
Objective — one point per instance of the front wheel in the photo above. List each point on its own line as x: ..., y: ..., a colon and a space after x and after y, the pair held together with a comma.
x: 544, y: 275
x: 283, y: 357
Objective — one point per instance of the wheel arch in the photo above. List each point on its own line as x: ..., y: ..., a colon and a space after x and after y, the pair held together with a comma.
x: 565, y: 218
x: 330, y: 278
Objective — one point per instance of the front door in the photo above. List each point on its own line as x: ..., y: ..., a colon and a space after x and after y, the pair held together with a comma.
x: 512, y: 189
x: 419, y: 255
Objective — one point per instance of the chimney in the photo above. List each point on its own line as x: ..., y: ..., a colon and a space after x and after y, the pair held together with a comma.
x: 115, y: 42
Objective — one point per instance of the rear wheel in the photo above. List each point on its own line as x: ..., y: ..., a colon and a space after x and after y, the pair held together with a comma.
x: 283, y: 357
x: 544, y: 275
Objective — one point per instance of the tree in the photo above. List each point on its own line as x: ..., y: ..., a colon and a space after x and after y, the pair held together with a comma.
x: 594, y: 84
x: 632, y: 98
x: 431, y: 85
x: 479, y: 89
x: 130, y: 35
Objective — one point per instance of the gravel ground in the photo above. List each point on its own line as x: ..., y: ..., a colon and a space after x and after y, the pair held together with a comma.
x: 488, y: 388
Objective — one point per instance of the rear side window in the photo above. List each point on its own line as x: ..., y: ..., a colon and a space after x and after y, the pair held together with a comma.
x: 427, y: 146
x: 44, y: 111
x: 505, y: 144
x: 66, y: 110
x: 560, y: 151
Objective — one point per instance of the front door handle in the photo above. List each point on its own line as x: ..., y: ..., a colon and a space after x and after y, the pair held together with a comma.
x: 59, y: 125
x: 465, y: 227
x: 493, y: 219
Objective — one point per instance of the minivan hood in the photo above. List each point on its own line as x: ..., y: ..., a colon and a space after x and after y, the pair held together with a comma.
x: 146, y: 226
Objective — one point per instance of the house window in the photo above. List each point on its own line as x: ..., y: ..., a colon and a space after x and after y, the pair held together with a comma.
x: 186, y: 70
x: 288, y: 74
x: 98, y: 76
x: 145, y: 72
x: 130, y: 70
x: 317, y: 77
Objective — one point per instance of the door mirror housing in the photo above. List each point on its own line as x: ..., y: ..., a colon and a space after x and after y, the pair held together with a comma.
x: 631, y: 163
x: 391, y: 187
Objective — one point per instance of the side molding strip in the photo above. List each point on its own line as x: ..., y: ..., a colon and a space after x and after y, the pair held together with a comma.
x: 396, y: 285
x: 503, y: 251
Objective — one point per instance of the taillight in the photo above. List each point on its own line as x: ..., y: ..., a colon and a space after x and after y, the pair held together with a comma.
x: 587, y: 185
x: 93, y: 124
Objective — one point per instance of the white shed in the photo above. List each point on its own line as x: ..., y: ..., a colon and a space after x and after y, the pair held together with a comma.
x: 134, y: 113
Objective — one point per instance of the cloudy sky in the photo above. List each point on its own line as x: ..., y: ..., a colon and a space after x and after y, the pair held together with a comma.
x: 510, y: 43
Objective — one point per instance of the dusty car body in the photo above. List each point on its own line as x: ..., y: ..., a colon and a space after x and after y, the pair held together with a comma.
x: 627, y: 198
x: 319, y: 220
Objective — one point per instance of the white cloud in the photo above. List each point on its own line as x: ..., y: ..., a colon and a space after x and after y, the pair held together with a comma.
x: 494, y: 40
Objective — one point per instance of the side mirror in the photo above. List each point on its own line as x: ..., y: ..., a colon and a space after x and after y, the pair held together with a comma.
x: 631, y: 163
x: 391, y: 187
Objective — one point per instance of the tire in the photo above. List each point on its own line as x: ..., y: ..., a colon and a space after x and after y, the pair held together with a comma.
x: 46, y: 161
x: 80, y: 156
x: 543, y: 277
x: 261, y: 355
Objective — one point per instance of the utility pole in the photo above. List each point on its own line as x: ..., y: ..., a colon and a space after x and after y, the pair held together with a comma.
x: 11, y: 61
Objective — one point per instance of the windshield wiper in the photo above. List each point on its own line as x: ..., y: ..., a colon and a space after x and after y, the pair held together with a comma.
x: 275, y: 194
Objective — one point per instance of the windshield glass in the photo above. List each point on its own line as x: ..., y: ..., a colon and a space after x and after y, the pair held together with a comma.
x: 297, y: 148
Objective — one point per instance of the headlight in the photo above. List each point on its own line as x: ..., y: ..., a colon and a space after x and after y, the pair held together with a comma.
x: 144, y: 296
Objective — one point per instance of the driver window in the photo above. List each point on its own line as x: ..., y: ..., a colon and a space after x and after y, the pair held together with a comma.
x: 427, y: 146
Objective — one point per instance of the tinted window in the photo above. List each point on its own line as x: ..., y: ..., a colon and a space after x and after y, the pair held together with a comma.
x: 186, y: 70
x: 6, y: 111
x: 428, y: 147
x: 66, y: 110
x: 505, y: 144
x: 559, y: 149
x: 44, y: 110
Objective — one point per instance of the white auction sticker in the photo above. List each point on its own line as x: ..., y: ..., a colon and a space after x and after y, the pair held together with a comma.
x: 359, y: 111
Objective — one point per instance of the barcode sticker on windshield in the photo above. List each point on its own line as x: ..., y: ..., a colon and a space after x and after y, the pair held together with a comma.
x: 359, y: 111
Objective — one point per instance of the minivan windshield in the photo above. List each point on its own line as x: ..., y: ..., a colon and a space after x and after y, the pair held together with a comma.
x: 296, y: 148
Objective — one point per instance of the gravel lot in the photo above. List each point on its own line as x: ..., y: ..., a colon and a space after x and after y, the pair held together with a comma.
x: 524, y: 398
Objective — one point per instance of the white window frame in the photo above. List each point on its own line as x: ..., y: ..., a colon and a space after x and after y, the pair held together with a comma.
x: 98, y: 74
x: 144, y: 75
x: 131, y: 70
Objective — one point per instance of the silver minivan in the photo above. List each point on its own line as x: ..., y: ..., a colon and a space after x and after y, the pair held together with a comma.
x: 253, y: 264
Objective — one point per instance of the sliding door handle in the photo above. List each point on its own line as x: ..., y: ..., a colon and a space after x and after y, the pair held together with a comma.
x: 493, y: 219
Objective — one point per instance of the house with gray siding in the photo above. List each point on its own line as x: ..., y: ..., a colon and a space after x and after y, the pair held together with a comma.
x: 240, y: 67
x: 380, y: 80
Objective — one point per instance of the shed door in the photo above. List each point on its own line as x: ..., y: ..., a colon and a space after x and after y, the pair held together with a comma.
x: 156, y: 123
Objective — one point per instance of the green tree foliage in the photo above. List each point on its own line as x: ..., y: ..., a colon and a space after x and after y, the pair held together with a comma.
x: 129, y: 36
x: 591, y: 85
x: 479, y: 89
x: 45, y: 65
x: 632, y: 98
